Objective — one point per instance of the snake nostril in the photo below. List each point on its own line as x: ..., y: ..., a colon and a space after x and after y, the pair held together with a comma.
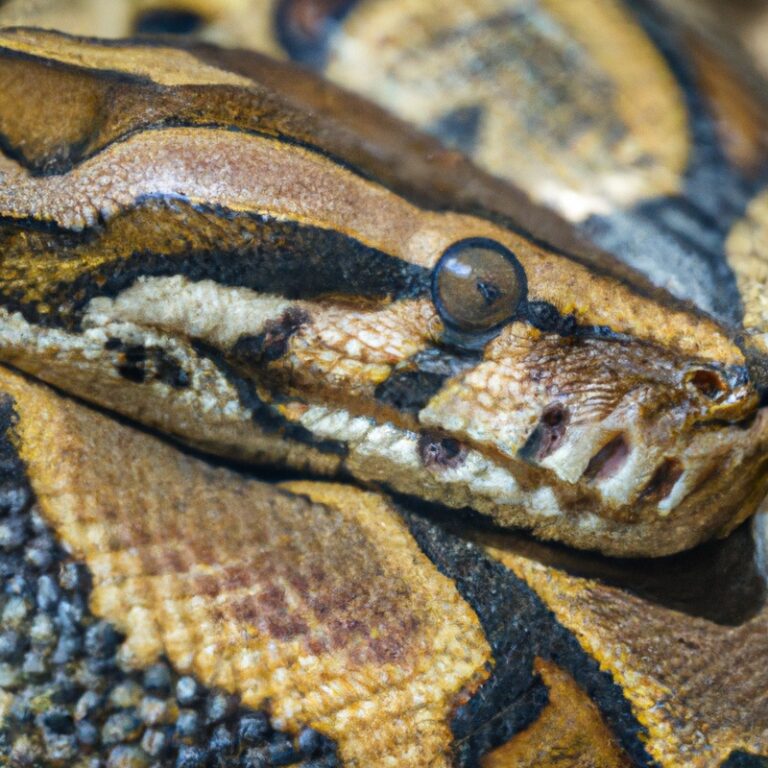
x: 708, y: 383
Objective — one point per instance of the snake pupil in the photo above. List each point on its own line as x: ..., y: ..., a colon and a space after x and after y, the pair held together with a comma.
x: 478, y: 285
x: 490, y: 293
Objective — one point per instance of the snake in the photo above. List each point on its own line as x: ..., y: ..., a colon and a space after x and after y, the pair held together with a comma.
x: 389, y: 390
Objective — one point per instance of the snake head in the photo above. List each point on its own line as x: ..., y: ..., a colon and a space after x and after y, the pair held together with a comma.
x: 246, y: 274
x: 531, y: 388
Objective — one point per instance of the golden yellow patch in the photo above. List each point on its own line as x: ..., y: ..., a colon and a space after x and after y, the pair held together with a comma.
x: 569, y: 733
x: 164, y: 66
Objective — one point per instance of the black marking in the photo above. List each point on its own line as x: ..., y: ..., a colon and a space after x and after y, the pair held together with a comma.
x: 542, y: 227
x: 602, y: 332
x: 409, y: 391
x: 131, y: 363
x: 721, y: 581
x: 416, y: 381
x: 139, y: 363
x: 305, y: 27
x: 745, y: 760
x: 264, y: 414
x: 170, y: 372
x: 168, y: 21
x: 77, y: 671
x: 459, y: 128
x: 440, y: 452
x: 679, y: 241
x: 519, y: 627
x: 272, y: 343
x: 546, y: 317
x: 247, y: 250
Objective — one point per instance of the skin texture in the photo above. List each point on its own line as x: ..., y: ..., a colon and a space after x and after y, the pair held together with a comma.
x: 651, y: 646
x: 525, y: 662
x: 569, y: 732
x: 407, y: 638
x: 646, y: 145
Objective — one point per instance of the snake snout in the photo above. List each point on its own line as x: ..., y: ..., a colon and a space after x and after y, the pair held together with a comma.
x: 723, y: 393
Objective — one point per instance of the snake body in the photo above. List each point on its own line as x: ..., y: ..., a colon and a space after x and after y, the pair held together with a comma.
x: 272, y: 271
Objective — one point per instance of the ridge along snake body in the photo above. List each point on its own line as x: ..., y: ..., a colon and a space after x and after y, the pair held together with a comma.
x: 273, y: 271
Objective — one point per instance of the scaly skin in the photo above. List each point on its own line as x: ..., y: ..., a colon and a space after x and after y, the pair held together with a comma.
x: 265, y: 293
x: 277, y: 304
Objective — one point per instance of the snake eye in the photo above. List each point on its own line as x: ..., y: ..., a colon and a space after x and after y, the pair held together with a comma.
x: 478, y: 285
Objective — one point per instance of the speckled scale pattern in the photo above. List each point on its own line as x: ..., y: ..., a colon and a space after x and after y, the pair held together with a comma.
x: 66, y: 700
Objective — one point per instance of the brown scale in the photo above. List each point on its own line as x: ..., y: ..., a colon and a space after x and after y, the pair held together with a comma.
x: 678, y: 670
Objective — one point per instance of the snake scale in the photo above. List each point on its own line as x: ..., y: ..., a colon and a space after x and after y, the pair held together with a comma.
x: 424, y: 432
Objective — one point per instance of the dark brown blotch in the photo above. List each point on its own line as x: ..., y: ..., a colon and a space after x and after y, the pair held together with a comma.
x: 409, y: 391
x: 131, y: 363
x: 170, y: 372
x: 272, y: 343
x: 415, y: 382
x: 137, y: 363
x: 438, y: 452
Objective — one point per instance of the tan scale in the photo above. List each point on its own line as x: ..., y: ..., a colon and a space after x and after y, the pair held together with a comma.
x: 441, y: 655
x: 247, y: 609
x: 138, y: 185
x: 226, y: 22
x: 617, y: 140
x: 631, y: 141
